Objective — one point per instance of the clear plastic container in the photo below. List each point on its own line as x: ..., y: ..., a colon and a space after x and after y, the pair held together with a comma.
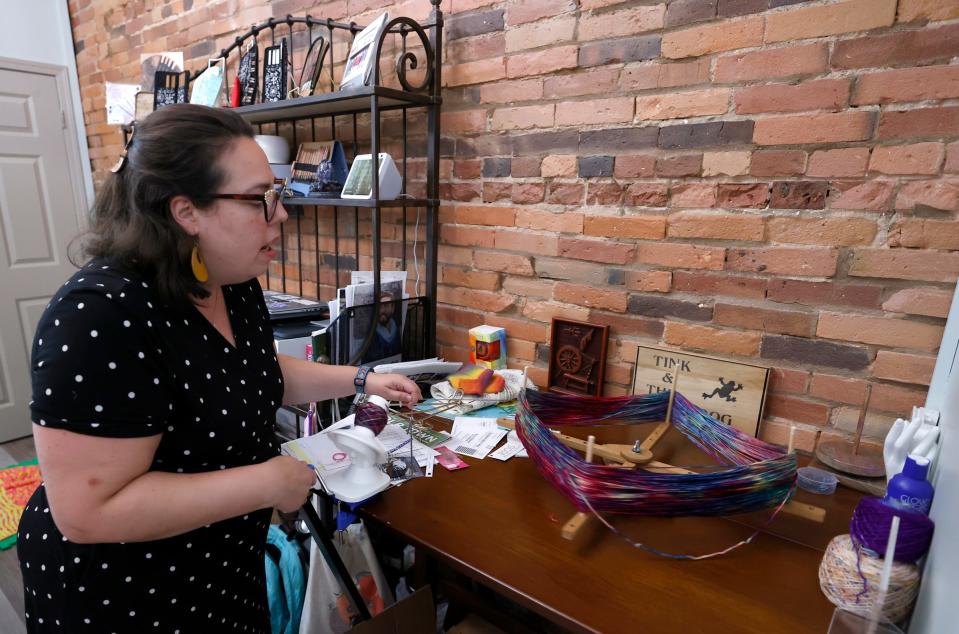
x: 817, y: 480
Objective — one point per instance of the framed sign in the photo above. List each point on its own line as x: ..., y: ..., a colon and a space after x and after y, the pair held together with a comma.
x: 733, y: 393
x: 577, y: 357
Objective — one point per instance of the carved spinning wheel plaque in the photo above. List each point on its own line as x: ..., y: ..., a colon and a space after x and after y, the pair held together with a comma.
x: 577, y: 358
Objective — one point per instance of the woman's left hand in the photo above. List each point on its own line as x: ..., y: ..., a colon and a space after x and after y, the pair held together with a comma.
x: 393, y: 387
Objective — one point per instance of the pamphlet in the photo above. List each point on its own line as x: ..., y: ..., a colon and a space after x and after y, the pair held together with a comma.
x: 475, y: 437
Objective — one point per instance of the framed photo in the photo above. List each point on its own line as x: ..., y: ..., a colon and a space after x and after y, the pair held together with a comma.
x: 733, y: 393
x: 312, y: 66
x: 359, y: 67
x: 577, y: 357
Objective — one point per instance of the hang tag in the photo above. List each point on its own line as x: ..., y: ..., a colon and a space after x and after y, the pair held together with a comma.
x: 507, y: 451
x: 429, y: 466
x: 449, y: 460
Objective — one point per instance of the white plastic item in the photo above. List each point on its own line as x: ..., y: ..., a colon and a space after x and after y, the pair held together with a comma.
x: 363, y: 478
x: 359, y: 182
x: 276, y: 148
x: 905, y: 438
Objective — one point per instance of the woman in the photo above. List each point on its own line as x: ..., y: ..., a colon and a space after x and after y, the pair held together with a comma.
x: 155, y: 387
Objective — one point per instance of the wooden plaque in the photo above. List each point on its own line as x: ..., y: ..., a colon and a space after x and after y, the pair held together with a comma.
x: 731, y: 392
x: 577, y: 357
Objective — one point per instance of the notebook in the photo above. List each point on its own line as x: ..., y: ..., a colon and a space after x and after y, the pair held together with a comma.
x: 284, y: 306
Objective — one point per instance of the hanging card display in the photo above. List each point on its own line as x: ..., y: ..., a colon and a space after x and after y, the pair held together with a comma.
x: 274, y: 72
x: 208, y: 85
x: 359, y: 65
x: 169, y: 88
x: 248, y: 75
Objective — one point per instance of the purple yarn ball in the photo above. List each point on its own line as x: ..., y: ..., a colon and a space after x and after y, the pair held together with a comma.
x: 371, y: 416
x: 870, y: 524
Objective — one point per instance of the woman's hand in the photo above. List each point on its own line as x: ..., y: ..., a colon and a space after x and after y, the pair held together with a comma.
x: 291, y: 481
x: 393, y: 387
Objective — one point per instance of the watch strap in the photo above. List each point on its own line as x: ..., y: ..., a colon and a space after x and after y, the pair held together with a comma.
x: 359, y: 381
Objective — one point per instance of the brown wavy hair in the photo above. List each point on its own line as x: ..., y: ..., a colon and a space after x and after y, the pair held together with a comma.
x: 175, y: 151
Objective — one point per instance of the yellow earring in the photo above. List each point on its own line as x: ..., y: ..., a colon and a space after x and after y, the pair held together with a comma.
x: 199, y: 268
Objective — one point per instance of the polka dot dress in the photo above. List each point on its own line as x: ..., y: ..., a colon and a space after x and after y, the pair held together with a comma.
x: 109, y: 359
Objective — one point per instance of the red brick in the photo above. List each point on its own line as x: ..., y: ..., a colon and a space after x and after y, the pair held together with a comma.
x: 636, y: 166
x: 466, y: 236
x: 789, y: 61
x: 478, y: 72
x: 796, y: 261
x: 777, y: 163
x: 940, y: 194
x: 726, y: 163
x: 528, y: 193
x: 896, y: 398
x: 861, y: 196
x: 566, y: 193
x: 842, y: 162
x: 455, y: 255
x: 590, y: 296
x: 905, y: 264
x: 723, y: 284
x: 539, y: 220
x: 924, y: 233
x: 724, y: 36
x: 910, y: 10
x: 883, y: 331
x: 610, y: 193
x: 816, y: 21
x: 597, y: 250
x: 952, y: 158
x: 494, y: 191
x: 820, y: 94
x: 823, y: 293
x: 510, y: 91
x: 898, y: 48
x: 683, y: 256
x: 529, y: 287
x: 595, y: 81
x: 545, y: 311
x: 503, y: 262
x: 716, y: 226
x: 692, y: 195
x: 596, y: 111
x: 677, y: 105
x: 787, y: 322
x: 624, y: 22
x: 481, y: 280
x: 784, y: 380
x: 636, y: 326
x: 523, y: 117
x: 918, y: 158
x: 525, y: 242
x: 464, y: 121
x: 838, y: 388
x: 778, y: 433
x: 541, y: 62
x: 691, y: 337
x: 797, y: 409
x: 493, y: 302
x: 626, y: 227
x: 814, y: 128
x: 903, y: 367
x: 541, y: 33
x: 742, y: 195
x: 646, y: 75
x: 646, y: 195
x: 930, y: 302
x: 468, y: 168
x: 908, y: 84
x: 677, y: 165
x: 484, y: 215
x: 521, y: 328
x: 649, y: 281
x: 558, y: 165
x: 921, y: 122
x: 532, y: 10
x: 825, y: 231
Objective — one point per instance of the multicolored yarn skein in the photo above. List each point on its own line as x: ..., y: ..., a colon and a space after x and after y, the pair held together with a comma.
x: 869, y: 528
x: 372, y: 415
x: 756, y: 475
x: 850, y: 576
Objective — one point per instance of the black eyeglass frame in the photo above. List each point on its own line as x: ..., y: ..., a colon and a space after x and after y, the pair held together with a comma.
x: 269, y: 199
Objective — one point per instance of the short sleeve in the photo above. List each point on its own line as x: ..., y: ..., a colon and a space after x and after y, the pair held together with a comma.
x: 97, y: 368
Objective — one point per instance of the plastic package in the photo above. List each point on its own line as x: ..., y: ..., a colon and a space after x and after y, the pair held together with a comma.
x: 817, y: 480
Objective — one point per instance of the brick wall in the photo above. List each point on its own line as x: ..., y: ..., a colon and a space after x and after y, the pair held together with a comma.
x: 774, y: 181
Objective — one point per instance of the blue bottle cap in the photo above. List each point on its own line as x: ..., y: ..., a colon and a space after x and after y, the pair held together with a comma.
x: 916, y: 467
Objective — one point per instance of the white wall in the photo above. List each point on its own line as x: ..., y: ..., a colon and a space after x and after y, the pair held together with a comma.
x: 937, y: 610
x: 39, y: 31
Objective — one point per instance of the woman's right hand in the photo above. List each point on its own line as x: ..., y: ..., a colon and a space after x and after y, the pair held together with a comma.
x: 291, y: 481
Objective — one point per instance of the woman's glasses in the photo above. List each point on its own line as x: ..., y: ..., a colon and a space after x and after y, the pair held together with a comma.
x: 269, y: 199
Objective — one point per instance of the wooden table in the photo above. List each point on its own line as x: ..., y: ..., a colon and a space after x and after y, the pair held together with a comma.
x: 500, y: 524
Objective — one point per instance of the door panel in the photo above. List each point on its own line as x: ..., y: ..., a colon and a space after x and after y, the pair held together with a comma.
x: 38, y: 219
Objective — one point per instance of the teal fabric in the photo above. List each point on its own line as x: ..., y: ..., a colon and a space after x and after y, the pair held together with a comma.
x: 285, y: 584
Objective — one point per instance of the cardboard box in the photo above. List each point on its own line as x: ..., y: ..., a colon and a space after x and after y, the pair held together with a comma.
x: 488, y: 347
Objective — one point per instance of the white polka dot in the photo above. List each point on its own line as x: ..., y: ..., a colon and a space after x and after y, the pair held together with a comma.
x: 141, y: 355
x: 48, y: 391
x: 80, y: 306
x: 112, y: 365
x: 93, y: 333
x: 98, y: 408
x: 64, y: 347
x: 56, y: 322
x: 212, y: 434
x: 126, y: 323
x: 78, y: 378
x: 131, y: 394
x: 128, y: 579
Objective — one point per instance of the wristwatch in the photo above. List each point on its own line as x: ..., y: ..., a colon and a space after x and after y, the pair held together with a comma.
x: 359, y: 381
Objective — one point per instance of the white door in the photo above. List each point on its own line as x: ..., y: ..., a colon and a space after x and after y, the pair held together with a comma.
x: 41, y: 198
